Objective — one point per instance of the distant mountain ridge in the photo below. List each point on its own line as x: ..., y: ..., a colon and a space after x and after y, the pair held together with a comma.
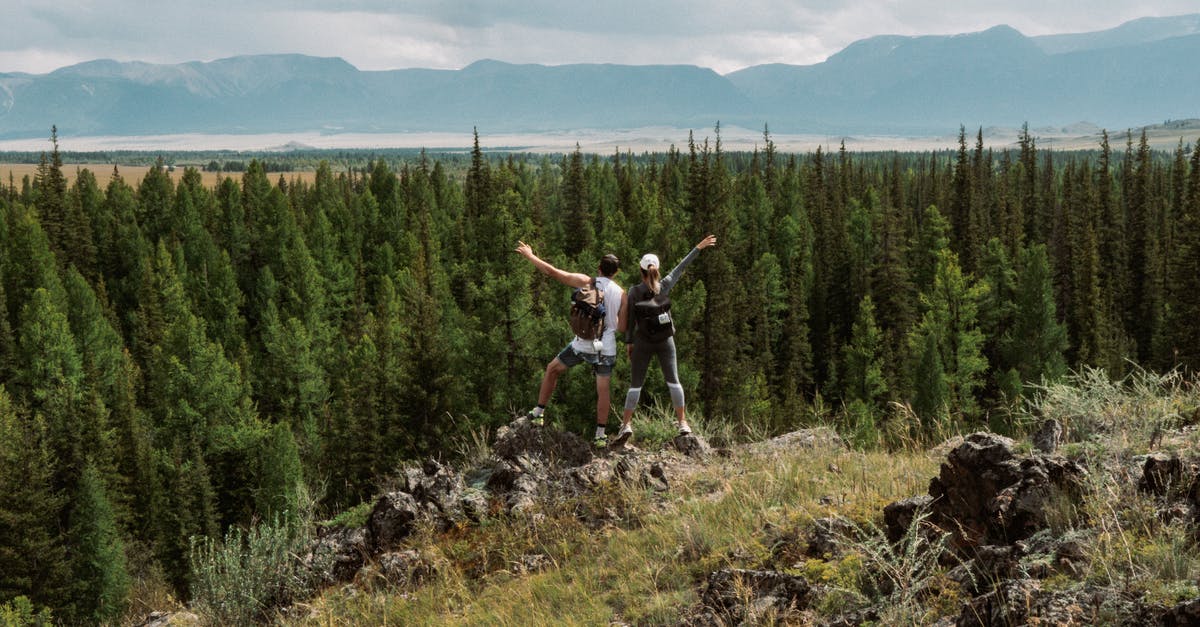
x: 1143, y: 71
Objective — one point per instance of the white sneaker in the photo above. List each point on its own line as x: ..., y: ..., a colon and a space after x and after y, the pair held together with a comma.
x: 684, y: 429
x: 623, y: 435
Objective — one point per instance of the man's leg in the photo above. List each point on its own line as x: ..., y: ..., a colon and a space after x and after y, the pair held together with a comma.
x: 553, y: 369
x: 603, y: 402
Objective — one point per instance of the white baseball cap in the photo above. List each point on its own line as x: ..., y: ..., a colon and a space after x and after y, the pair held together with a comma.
x: 649, y: 259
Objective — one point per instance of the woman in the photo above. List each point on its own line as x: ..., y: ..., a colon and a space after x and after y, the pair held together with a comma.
x: 649, y: 332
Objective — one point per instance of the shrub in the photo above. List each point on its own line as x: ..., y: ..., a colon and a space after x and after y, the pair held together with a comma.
x: 239, y: 579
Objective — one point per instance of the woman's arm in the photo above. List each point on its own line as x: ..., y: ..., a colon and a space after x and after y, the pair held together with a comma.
x: 676, y: 272
x: 571, y: 279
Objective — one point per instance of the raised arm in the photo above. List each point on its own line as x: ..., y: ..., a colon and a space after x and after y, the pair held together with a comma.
x: 673, y: 276
x: 570, y: 279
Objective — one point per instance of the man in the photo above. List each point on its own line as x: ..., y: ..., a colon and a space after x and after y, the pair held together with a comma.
x: 601, y: 355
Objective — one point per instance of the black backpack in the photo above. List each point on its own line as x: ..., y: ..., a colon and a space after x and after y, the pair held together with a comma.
x: 588, y: 311
x: 653, y: 316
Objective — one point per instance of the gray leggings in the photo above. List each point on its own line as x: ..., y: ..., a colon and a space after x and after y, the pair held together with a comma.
x: 640, y: 361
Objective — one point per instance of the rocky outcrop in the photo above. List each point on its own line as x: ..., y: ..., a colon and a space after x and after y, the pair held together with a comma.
x: 529, y: 467
x: 1181, y: 615
x: 1028, y: 602
x: 984, y: 494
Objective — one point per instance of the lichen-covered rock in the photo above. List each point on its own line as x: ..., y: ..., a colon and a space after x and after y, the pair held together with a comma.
x: 337, y: 553
x: 692, y: 445
x: 392, y: 519
x: 745, y: 596
x: 406, y: 568
x: 1049, y: 436
x: 1026, y: 602
x: 551, y: 446
x: 171, y: 619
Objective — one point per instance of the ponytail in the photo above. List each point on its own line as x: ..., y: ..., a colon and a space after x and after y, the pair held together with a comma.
x: 651, y: 278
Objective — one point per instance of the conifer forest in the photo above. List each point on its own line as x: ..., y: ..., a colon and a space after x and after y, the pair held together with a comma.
x: 180, y: 359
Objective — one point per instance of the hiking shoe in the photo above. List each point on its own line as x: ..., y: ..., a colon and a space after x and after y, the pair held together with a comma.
x: 623, y: 435
x: 684, y: 429
x: 535, y: 420
x: 601, y: 441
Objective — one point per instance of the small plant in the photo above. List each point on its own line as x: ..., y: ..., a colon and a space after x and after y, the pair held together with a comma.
x: 20, y: 612
x: 353, y: 518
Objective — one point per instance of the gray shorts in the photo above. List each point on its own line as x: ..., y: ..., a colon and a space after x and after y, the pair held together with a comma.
x: 602, y: 365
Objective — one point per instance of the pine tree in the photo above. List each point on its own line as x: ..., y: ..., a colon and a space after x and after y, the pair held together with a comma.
x: 1184, y: 285
x: 862, y: 371
x: 951, y: 318
x: 1037, y: 340
x: 33, y: 556
x: 51, y: 196
x: 101, y: 577
x: 280, y: 475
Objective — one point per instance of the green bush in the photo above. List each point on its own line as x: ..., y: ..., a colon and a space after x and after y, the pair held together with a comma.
x: 19, y: 612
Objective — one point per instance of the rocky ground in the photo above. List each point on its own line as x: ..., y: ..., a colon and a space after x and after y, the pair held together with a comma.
x: 989, y: 543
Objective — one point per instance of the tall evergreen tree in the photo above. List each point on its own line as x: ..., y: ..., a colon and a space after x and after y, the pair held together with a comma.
x: 102, y: 580
x: 1037, y: 340
x: 33, y: 555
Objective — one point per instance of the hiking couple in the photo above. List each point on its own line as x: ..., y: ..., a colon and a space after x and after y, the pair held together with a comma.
x: 643, y: 318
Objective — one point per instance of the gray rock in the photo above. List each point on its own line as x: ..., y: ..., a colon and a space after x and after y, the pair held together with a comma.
x: 744, y: 596
x: 392, y: 519
x: 337, y: 553
x: 692, y: 445
x: 171, y: 619
x: 984, y: 494
x: 406, y: 568
x: 1161, y: 473
x: 1049, y: 436
x: 827, y: 535
x: 899, y: 516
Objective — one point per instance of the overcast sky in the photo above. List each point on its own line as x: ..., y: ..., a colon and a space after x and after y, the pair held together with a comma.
x: 37, y: 36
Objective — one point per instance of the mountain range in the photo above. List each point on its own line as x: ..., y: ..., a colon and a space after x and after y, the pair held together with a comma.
x: 1141, y: 72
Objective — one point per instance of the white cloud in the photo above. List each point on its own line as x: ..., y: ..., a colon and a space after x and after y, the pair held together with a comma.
x: 386, y: 34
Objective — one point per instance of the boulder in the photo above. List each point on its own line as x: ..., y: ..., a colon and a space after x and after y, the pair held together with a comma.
x: 337, y: 553
x: 548, y: 445
x: 692, y: 445
x: 984, y: 494
x: 1181, y: 615
x: 827, y: 535
x: 1161, y: 473
x: 406, y: 568
x: 1025, y: 602
x: 392, y: 519
x: 899, y: 516
x: 1048, y: 436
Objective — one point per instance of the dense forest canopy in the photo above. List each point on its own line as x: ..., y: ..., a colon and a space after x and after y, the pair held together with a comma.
x: 177, y: 360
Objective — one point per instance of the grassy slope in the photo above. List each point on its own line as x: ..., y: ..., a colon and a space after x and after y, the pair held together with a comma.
x: 646, y: 567
x: 647, y: 563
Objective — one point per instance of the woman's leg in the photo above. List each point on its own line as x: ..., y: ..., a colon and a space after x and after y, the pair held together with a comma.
x: 670, y: 370
x: 639, y: 361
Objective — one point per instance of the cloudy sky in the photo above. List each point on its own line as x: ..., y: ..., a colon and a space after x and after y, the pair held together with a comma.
x: 726, y: 35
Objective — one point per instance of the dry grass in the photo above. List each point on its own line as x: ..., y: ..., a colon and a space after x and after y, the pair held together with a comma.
x: 131, y: 174
x: 645, y: 566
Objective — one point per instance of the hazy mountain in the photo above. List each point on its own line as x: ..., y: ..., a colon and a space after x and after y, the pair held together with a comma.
x: 1140, y: 72
x: 1140, y: 31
